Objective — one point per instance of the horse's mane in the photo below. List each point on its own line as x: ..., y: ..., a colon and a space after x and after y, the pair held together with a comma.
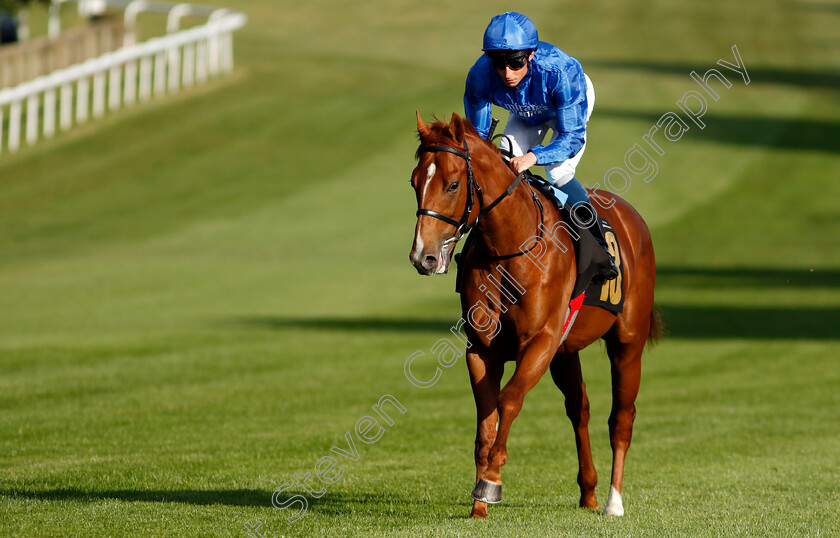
x: 441, y: 134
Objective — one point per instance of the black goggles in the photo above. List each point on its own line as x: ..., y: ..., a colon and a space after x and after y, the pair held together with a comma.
x: 515, y: 62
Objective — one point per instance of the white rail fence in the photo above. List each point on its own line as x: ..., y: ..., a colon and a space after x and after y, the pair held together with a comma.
x: 136, y: 72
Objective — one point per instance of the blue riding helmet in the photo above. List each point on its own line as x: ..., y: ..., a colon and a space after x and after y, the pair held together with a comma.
x: 510, y: 31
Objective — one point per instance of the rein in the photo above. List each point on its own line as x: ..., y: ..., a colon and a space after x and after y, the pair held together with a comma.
x: 464, y: 226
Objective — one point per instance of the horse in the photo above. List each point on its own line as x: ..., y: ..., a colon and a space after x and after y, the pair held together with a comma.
x: 516, y: 309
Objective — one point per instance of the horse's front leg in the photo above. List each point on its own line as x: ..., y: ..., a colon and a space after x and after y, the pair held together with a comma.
x: 532, y: 363
x: 486, y: 379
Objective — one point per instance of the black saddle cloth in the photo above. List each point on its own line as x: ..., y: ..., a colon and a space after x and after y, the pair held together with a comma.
x: 591, y: 258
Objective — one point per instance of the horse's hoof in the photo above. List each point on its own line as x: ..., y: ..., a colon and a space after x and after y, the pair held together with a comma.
x: 488, y: 492
x: 614, y: 505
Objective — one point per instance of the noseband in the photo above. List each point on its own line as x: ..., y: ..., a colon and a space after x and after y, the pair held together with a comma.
x: 463, y: 226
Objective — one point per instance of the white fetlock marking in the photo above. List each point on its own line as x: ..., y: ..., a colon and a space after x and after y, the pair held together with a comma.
x: 614, y: 505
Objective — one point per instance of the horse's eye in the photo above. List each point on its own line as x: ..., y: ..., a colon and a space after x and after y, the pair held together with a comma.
x: 454, y: 187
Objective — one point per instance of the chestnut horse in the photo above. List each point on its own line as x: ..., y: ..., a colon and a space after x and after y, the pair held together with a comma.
x: 460, y: 174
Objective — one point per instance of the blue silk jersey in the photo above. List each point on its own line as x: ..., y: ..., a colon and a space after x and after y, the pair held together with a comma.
x: 553, y: 89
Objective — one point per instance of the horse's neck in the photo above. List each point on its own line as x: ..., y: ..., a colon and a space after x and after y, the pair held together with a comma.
x: 508, y: 227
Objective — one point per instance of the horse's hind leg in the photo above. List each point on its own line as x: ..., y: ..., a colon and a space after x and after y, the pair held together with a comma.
x: 565, y: 370
x: 626, y: 360
x: 486, y: 379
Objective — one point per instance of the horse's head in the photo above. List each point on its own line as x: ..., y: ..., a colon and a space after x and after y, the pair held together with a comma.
x: 442, y: 182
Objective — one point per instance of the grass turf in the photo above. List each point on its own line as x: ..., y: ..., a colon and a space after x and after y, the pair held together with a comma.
x: 202, y: 295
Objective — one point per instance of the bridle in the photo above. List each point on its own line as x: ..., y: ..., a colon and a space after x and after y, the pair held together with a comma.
x: 464, y: 226
x: 474, y: 191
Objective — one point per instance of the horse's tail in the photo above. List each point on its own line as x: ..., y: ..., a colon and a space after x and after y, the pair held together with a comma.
x: 657, y: 326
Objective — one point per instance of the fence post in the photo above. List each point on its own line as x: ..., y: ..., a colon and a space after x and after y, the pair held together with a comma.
x: 189, y: 65
x: 32, y: 103
x: 173, y: 20
x: 130, y: 21
x: 82, y: 95
x: 49, y: 112
x: 201, y: 61
x: 160, y: 73
x: 215, y: 41
x: 98, y: 93
x: 130, y: 90
x: 66, y: 120
x: 174, y: 68
x: 145, y: 78
x: 114, y: 83
x: 14, y: 125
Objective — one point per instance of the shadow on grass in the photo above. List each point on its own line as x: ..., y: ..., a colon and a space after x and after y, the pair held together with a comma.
x: 709, y: 321
x: 808, y: 78
x: 754, y: 323
x: 781, y: 133
x: 332, y: 323
x: 331, y: 503
x: 746, y: 277
x: 817, y: 7
x: 800, y: 322
x: 338, y: 503
x: 233, y: 497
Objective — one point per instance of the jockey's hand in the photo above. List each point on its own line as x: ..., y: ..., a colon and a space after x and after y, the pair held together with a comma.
x: 520, y: 164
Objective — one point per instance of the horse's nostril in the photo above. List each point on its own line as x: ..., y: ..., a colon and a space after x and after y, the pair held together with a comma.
x: 430, y: 261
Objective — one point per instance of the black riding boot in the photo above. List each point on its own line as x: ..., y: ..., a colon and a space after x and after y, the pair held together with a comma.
x: 583, y: 214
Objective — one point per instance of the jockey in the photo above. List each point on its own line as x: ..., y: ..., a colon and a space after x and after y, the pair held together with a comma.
x: 543, y: 88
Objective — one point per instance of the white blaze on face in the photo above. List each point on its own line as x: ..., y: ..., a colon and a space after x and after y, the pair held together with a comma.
x: 430, y: 173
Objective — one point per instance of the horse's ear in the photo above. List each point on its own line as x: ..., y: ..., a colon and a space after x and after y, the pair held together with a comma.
x: 422, y: 129
x: 456, y: 127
